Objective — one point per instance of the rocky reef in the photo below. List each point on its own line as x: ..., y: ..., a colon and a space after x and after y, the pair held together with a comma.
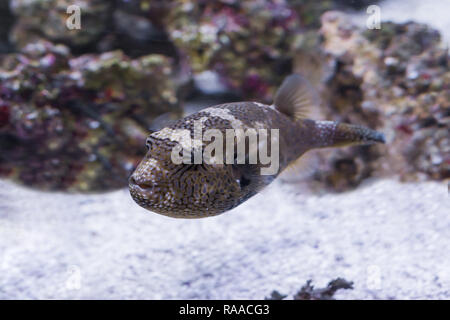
x: 248, y: 43
x: 37, y: 19
x: 78, y: 123
x: 76, y: 105
x: 395, y: 79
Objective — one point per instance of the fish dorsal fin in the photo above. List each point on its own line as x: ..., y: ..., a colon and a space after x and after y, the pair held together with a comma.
x: 296, y: 97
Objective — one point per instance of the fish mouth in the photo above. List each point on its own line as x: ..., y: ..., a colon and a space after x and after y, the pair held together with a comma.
x: 146, y: 186
x: 142, y: 192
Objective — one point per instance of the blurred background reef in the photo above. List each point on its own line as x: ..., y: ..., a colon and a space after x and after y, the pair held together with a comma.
x: 77, y: 105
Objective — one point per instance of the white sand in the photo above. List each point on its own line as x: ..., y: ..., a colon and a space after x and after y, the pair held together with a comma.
x: 391, y: 239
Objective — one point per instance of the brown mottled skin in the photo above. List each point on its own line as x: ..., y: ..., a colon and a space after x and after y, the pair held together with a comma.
x: 201, y: 190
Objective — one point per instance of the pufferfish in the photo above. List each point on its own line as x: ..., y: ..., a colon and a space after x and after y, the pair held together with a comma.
x: 208, y: 188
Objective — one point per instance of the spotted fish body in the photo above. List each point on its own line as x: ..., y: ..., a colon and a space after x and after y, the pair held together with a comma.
x: 208, y: 189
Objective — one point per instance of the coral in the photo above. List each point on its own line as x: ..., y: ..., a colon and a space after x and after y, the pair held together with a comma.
x: 249, y: 43
x: 308, y: 292
x: 275, y: 295
x: 78, y: 123
x: 37, y: 19
x: 395, y: 80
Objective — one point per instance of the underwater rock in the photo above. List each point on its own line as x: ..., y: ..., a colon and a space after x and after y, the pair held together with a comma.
x: 6, y: 20
x: 309, y: 12
x: 78, y: 123
x: 46, y: 19
x: 396, y: 80
x: 138, y: 30
x: 308, y: 292
x: 248, y: 43
x: 155, y: 10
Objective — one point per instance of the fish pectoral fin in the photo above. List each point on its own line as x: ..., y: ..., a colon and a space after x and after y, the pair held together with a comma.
x: 304, y: 166
x: 296, y: 97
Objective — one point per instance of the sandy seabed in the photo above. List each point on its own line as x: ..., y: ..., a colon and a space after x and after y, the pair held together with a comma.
x: 390, y: 239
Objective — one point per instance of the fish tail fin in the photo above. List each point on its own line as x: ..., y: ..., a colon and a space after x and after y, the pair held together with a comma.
x: 296, y: 97
x: 335, y: 134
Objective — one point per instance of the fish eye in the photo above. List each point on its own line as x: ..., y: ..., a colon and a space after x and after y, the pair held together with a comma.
x: 241, y: 178
x: 148, y: 143
x: 243, y: 181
